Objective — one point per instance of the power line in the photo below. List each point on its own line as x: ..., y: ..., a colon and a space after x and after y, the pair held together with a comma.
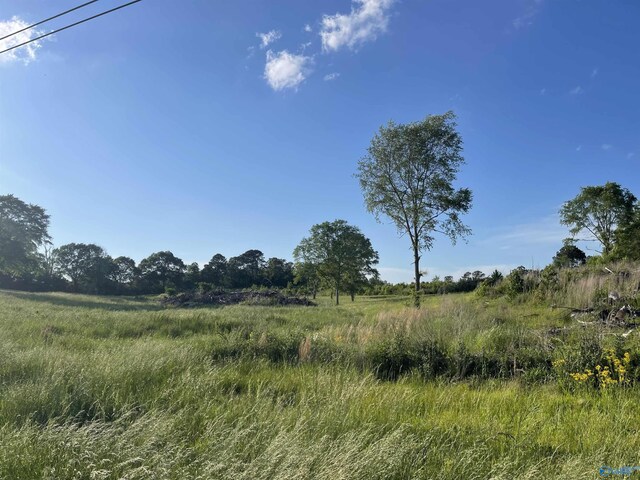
x: 49, y: 19
x: 69, y: 26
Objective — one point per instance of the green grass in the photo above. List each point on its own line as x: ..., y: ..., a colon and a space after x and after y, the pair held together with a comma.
x: 103, y: 387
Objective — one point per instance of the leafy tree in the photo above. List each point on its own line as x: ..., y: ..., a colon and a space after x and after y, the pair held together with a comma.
x: 215, y: 272
x: 599, y: 211
x: 408, y: 176
x: 339, y: 251
x: 306, y: 274
x: 569, y: 256
x: 627, y: 239
x: 495, y: 278
x: 192, y: 275
x: 87, y: 266
x: 278, y: 272
x: 161, y: 269
x: 246, y: 269
x: 23, y: 229
x: 124, y: 271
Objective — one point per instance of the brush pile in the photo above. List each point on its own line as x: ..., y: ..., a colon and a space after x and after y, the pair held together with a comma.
x: 245, y: 297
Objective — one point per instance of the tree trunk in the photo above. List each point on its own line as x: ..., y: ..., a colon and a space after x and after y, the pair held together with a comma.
x: 337, y: 296
x: 353, y: 297
x: 416, y: 264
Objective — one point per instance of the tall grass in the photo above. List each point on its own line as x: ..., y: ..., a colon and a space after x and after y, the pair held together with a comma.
x: 117, y: 388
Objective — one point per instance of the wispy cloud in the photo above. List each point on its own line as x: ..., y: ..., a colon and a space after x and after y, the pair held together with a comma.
x: 331, y: 76
x: 577, y: 90
x: 285, y: 70
x: 545, y: 231
x: 24, y: 54
x: 606, y: 146
x: 543, y: 91
x: 594, y: 73
x: 367, y: 20
x: 630, y: 154
x: 526, y: 18
x: 307, y: 28
x: 578, y: 148
x: 268, y: 38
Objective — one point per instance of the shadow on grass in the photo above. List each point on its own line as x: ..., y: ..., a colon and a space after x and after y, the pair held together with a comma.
x: 83, y: 301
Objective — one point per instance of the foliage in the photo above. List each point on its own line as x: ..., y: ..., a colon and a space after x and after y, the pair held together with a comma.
x: 87, y: 265
x: 23, y: 228
x: 408, y: 176
x: 569, y: 256
x: 340, y: 252
x: 599, y: 211
x: 160, y: 269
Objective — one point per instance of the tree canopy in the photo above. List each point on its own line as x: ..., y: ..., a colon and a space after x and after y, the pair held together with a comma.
x: 408, y: 176
x: 340, y: 251
x: 23, y: 228
x: 599, y: 211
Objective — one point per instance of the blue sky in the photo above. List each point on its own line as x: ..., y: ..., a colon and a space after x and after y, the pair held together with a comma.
x: 205, y: 127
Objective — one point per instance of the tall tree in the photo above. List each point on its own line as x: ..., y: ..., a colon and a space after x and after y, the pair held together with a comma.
x: 408, y: 176
x: 215, y: 272
x: 87, y: 266
x: 569, y: 256
x: 599, y: 211
x: 23, y: 229
x: 278, y: 272
x: 339, y: 251
x: 161, y: 268
x: 246, y: 269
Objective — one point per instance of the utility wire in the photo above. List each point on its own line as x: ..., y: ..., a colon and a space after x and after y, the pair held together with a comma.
x: 69, y: 26
x: 48, y: 19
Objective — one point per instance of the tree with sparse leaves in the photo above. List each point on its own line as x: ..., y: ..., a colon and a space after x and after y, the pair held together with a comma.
x: 408, y: 176
x: 599, y: 211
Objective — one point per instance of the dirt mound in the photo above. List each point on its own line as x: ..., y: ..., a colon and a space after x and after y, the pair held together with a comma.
x: 262, y: 297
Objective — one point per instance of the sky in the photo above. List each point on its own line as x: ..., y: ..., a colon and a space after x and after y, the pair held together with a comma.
x: 207, y: 127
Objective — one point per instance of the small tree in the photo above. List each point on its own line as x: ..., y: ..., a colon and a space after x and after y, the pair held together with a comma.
x: 408, y: 177
x: 569, y: 256
x: 87, y: 266
x: 162, y: 268
x: 340, y: 251
x: 599, y: 211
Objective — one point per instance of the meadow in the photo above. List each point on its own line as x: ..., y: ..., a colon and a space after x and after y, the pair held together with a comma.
x: 466, y: 387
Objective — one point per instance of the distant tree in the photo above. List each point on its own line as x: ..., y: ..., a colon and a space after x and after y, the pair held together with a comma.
x: 23, y: 229
x: 161, y: 269
x: 599, y: 211
x: 306, y: 275
x: 87, y: 266
x: 569, y: 256
x: 495, y: 278
x: 278, y: 272
x: 246, y: 269
x: 216, y: 271
x: 124, y: 271
x: 408, y: 176
x: 192, y: 275
x: 339, y: 251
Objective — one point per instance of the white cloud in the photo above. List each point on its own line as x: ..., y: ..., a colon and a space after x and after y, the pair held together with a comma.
x: 304, y: 46
x: 286, y: 70
x: 307, y: 28
x: 577, y: 91
x: 368, y: 19
x: 606, y: 146
x: 24, y: 54
x: 268, y: 38
x: 331, y: 76
x: 528, y: 15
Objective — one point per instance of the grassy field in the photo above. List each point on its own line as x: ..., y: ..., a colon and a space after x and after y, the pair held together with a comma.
x: 105, y: 387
